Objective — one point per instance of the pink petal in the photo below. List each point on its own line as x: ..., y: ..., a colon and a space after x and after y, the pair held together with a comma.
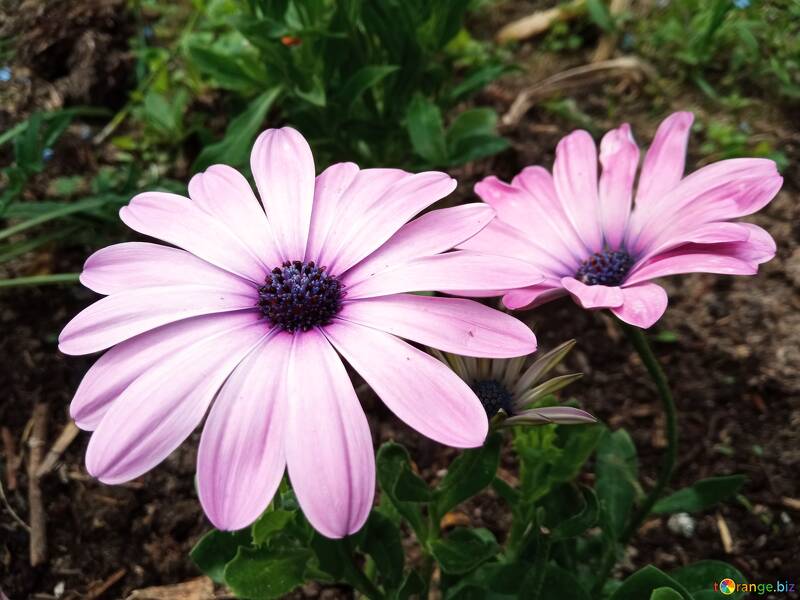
x: 328, y: 443
x: 665, y: 159
x: 643, y: 305
x: 329, y: 190
x: 575, y: 175
x: 706, y: 233
x: 533, y: 296
x: 161, y: 408
x: 416, y: 387
x: 593, y: 296
x: 434, y: 232
x: 619, y: 156
x: 180, y: 221
x: 693, y: 258
x: 283, y: 168
x: 460, y: 270
x: 538, y: 182
x: 133, y: 265
x: 362, y: 233
x: 501, y: 238
x: 539, y: 221
x: 225, y: 194
x: 113, y: 372
x: 126, y: 314
x: 450, y: 324
x: 366, y: 188
x: 759, y: 247
x: 241, y: 459
x: 725, y: 190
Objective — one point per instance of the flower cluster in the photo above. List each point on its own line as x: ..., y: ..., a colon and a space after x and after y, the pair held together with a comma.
x: 247, y: 318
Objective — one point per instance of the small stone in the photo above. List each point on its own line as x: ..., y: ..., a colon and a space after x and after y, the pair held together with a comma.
x: 682, y: 524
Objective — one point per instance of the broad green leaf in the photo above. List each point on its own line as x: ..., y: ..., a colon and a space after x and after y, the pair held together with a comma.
x: 224, y: 70
x: 425, y: 128
x: 412, y: 586
x: 364, y: 79
x: 699, y: 578
x: 580, y: 520
x: 561, y: 584
x: 234, y: 148
x: 701, y: 495
x: 464, y: 549
x: 642, y: 583
x: 328, y: 555
x: 471, y: 472
x: 478, y: 147
x: 665, y: 593
x: 616, y: 479
x: 403, y: 488
x: 268, y: 523
x: 471, y: 123
x: 381, y: 540
x: 493, y: 579
x: 260, y: 573
x: 216, y: 549
x: 599, y: 13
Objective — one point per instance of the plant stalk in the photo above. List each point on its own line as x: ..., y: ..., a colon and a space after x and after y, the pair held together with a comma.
x: 640, y: 343
x: 40, y: 280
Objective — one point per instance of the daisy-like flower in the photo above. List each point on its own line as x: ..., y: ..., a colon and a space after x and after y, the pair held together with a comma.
x: 250, y: 313
x: 509, y: 388
x: 593, y: 242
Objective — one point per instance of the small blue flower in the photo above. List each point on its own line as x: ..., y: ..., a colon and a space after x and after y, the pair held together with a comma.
x: 147, y: 32
x: 741, y: 4
x: 47, y: 153
x: 5, y: 74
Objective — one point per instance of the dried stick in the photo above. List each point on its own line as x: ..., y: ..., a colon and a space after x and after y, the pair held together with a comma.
x: 539, y: 22
x: 68, y: 434
x: 38, y: 547
x: 571, y: 79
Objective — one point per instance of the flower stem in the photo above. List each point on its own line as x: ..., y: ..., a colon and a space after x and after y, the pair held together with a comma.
x: 639, y: 341
x: 40, y: 280
x: 354, y: 575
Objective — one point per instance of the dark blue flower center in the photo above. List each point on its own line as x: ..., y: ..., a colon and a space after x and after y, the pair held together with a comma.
x: 494, y: 396
x: 608, y: 267
x: 299, y: 296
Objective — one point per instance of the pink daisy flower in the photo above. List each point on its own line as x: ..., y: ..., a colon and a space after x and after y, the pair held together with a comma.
x: 593, y: 241
x: 251, y: 312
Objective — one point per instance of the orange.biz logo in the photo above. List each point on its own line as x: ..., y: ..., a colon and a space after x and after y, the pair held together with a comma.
x: 729, y: 586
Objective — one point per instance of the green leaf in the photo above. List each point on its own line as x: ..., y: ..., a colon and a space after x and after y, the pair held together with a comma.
x: 579, y: 521
x: 234, y: 148
x: 270, y: 522
x: 493, y: 579
x: 403, y: 488
x: 600, y: 15
x: 412, y: 586
x: 471, y: 472
x: 472, y: 135
x: 665, y: 593
x: 364, y: 79
x: 642, y: 583
x: 476, y: 81
x: 224, y: 70
x: 616, y: 479
x: 701, y: 495
x: 425, y: 128
x: 328, y: 555
x: 561, y: 584
x: 699, y: 578
x: 382, y: 542
x: 464, y: 549
x: 258, y: 573
x: 216, y: 549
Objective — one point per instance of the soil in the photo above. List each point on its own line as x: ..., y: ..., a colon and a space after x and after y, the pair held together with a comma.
x: 730, y: 346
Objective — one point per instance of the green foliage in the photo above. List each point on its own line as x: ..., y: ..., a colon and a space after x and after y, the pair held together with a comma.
x: 702, y: 495
x: 362, y: 80
x: 724, y: 49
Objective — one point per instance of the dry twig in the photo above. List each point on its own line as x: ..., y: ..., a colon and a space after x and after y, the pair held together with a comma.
x: 541, y: 21
x: 201, y: 588
x: 101, y: 588
x: 724, y: 534
x: 38, y: 541
x: 68, y: 434
x: 576, y: 78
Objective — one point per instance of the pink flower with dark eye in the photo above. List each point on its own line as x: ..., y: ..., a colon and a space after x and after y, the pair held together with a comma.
x: 252, y: 312
x: 593, y: 241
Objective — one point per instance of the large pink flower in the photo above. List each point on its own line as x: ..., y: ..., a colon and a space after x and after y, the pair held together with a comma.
x: 593, y: 242
x: 249, y: 312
